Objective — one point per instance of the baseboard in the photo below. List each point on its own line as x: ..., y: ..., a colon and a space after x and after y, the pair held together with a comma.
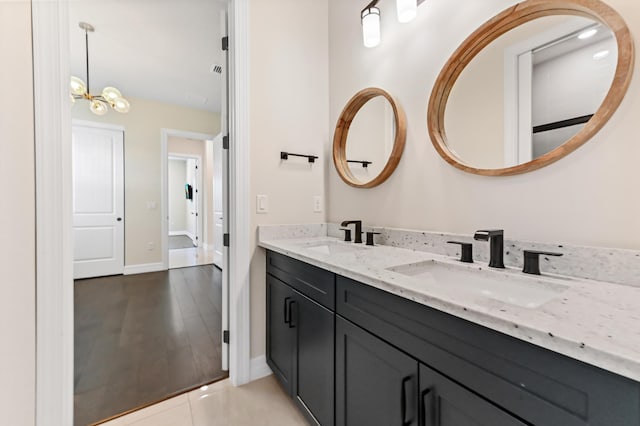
x: 143, y: 268
x: 177, y: 233
x: 259, y: 368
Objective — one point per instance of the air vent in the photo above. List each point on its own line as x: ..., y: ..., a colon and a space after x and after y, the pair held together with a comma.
x: 216, y: 68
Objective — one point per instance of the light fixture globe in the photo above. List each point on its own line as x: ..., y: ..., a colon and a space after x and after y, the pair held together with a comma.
x: 111, y: 93
x: 121, y: 105
x: 77, y: 86
x: 98, y: 107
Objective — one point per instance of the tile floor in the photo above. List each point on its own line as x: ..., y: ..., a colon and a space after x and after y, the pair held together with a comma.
x: 260, y: 403
x: 181, y: 258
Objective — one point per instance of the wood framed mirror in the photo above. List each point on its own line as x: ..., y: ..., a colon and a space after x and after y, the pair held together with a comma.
x: 369, y: 138
x: 542, y: 50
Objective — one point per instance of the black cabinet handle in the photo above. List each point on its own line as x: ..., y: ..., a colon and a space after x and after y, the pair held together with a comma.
x: 427, y: 402
x: 292, y: 311
x: 287, y: 310
x: 405, y: 402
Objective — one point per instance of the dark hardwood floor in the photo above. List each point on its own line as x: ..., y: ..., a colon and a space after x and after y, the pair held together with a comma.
x: 142, y: 338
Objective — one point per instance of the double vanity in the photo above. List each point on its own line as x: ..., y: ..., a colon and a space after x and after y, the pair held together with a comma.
x: 382, y: 335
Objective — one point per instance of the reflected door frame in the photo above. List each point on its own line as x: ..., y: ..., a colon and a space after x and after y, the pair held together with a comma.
x: 518, y: 77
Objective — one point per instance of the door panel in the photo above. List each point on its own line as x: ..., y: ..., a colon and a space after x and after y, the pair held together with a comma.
x: 280, y: 332
x: 376, y: 384
x: 98, y: 201
x: 445, y: 403
x: 218, y: 216
x: 314, y: 384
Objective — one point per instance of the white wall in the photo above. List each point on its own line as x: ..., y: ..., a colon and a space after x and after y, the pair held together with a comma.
x: 288, y: 112
x: 585, y: 198
x: 177, y: 179
x: 17, y: 216
x: 142, y: 166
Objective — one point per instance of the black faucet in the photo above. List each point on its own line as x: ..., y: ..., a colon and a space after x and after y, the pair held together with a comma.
x: 358, y: 223
x: 496, y: 245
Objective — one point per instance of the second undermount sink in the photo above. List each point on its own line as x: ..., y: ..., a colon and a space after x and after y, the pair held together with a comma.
x: 520, y: 290
x: 329, y: 247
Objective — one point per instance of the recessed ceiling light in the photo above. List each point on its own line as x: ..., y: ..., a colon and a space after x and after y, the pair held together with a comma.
x: 601, y: 55
x: 587, y: 34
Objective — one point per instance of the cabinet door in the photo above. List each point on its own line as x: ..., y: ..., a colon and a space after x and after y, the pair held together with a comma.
x: 280, y: 332
x: 314, y: 378
x: 376, y: 384
x: 445, y: 403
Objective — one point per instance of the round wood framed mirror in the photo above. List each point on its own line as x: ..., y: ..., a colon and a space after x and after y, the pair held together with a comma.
x: 533, y: 125
x: 369, y: 138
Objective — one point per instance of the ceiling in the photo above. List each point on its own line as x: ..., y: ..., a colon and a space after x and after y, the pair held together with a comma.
x: 162, y: 50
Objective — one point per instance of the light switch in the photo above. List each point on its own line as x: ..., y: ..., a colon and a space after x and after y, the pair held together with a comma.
x: 262, y: 204
x: 151, y: 205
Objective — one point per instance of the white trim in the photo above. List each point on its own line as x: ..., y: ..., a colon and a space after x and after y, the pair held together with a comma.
x: 239, y: 180
x: 143, y: 268
x: 164, y: 179
x: 54, y: 267
x: 259, y: 368
x: 96, y: 125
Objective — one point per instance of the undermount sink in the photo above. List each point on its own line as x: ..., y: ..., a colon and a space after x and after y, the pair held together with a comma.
x: 330, y: 247
x: 520, y: 290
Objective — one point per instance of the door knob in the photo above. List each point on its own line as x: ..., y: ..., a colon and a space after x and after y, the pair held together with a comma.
x: 119, y: 219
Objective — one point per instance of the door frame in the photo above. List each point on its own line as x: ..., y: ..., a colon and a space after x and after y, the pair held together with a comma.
x: 199, y: 236
x: 165, y: 134
x: 54, y: 259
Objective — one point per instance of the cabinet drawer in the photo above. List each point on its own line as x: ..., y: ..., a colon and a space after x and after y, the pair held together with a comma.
x: 539, y: 386
x: 315, y: 283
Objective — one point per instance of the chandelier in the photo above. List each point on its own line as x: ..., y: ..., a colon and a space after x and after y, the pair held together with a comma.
x: 110, y: 96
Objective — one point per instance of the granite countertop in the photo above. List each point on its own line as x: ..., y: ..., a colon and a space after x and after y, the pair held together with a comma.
x: 592, y: 321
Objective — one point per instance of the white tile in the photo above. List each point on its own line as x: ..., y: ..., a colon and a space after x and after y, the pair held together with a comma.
x: 149, y: 411
x: 176, y: 416
x: 180, y: 258
x: 261, y: 402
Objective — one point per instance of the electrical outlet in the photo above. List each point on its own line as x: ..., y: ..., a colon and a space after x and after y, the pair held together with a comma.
x: 151, y: 246
x: 262, y: 204
x: 151, y: 205
x: 317, y: 204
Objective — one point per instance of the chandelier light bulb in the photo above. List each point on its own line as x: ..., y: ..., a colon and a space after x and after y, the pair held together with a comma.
x: 98, y: 107
x: 407, y: 10
x: 77, y: 86
x: 371, y: 26
x: 121, y: 105
x: 111, y: 94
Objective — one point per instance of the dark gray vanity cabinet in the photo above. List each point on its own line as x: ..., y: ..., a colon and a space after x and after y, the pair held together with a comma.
x: 376, y: 384
x: 300, y: 337
x: 398, y: 362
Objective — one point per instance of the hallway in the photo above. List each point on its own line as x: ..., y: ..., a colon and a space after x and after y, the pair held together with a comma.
x: 142, y: 338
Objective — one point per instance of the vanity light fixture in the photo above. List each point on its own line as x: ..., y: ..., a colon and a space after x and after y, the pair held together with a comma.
x: 407, y: 10
x: 370, y: 17
x: 110, y: 96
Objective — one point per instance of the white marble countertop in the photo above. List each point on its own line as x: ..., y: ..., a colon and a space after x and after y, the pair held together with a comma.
x: 592, y: 321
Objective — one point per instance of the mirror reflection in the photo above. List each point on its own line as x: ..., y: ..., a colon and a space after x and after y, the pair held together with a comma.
x: 371, y: 138
x: 530, y: 91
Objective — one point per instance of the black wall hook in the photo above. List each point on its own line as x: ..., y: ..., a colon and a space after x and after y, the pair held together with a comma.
x: 365, y: 164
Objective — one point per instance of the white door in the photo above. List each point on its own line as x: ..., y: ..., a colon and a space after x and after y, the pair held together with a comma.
x: 193, y: 203
x: 218, y: 217
x: 98, y: 201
